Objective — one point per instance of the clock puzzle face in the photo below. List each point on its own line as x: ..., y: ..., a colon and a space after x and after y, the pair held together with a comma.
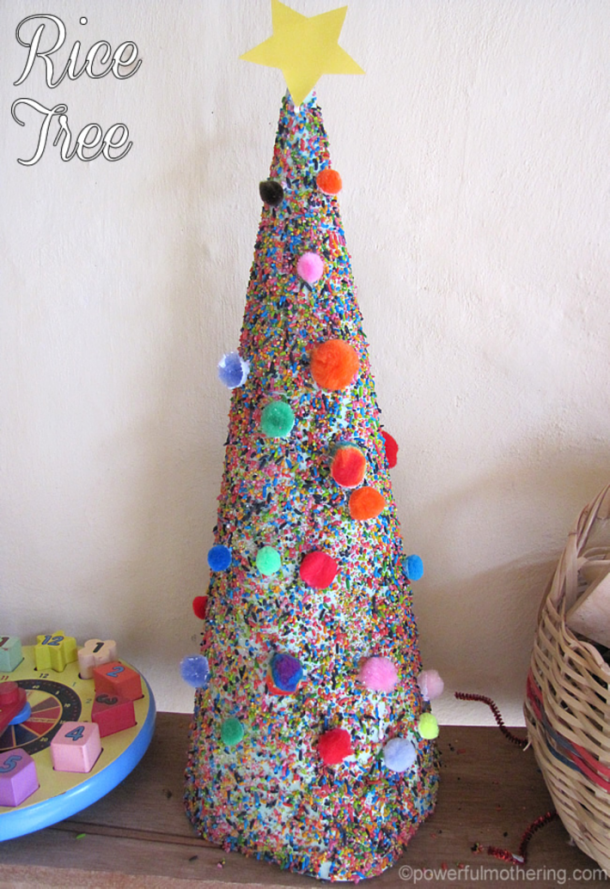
x: 52, y: 703
x: 106, y: 717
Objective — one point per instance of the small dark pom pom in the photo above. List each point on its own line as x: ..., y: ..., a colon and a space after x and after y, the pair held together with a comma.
x: 271, y: 192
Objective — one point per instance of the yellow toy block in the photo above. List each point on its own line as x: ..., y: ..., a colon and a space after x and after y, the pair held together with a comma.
x: 54, y: 652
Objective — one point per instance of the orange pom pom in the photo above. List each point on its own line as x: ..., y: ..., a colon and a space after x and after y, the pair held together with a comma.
x: 334, y: 364
x: 366, y: 503
x: 329, y: 182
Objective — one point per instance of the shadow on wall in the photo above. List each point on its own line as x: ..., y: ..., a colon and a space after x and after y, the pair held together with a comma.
x: 477, y: 628
x: 176, y: 445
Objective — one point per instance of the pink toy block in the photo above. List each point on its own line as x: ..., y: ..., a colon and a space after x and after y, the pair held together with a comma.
x: 117, y: 679
x: 112, y: 713
x: 18, y: 778
x: 76, y: 747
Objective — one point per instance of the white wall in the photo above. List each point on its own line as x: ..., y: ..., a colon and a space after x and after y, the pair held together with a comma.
x: 474, y: 155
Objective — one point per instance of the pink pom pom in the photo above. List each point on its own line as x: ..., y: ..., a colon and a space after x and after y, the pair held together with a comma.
x: 310, y: 267
x: 430, y: 684
x: 378, y: 674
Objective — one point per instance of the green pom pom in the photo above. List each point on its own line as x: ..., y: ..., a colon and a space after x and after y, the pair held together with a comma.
x: 268, y: 560
x: 232, y: 731
x: 277, y: 419
x: 428, y: 726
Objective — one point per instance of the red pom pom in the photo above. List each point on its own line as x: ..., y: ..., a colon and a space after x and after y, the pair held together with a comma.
x: 366, y: 503
x: 334, y: 746
x: 334, y: 364
x: 329, y: 181
x: 200, y: 605
x: 348, y: 466
x: 318, y: 570
x: 391, y: 448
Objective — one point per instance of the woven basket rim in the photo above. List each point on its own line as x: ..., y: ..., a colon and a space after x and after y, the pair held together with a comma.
x: 567, y: 708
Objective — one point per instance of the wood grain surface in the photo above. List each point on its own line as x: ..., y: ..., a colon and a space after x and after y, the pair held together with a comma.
x: 138, y: 835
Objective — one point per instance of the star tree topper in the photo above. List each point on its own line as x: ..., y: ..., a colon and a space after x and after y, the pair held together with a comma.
x: 304, y: 48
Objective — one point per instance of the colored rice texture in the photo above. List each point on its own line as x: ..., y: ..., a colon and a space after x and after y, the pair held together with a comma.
x: 271, y: 795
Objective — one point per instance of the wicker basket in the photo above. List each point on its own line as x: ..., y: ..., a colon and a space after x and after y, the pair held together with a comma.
x: 567, y: 707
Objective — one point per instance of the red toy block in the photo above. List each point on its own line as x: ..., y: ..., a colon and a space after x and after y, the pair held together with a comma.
x: 112, y: 713
x: 117, y: 679
x: 18, y: 778
x: 76, y: 747
x: 12, y: 702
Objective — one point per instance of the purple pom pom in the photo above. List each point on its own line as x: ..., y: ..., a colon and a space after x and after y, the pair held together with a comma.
x: 286, y: 671
x: 399, y: 755
x: 195, y: 670
x: 233, y: 370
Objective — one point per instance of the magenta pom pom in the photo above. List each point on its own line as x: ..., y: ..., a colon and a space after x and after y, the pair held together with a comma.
x: 310, y: 267
x: 378, y: 674
x: 318, y: 570
x: 430, y: 684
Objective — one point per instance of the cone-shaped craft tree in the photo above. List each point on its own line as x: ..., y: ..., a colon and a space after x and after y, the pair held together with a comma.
x: 312, y: 745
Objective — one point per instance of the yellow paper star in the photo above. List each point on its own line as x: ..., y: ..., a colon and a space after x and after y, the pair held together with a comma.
x: 304, y: 48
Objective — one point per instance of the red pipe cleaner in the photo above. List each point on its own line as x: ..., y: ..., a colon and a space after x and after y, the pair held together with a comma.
x: 521, y: 856
x: 463, y: 696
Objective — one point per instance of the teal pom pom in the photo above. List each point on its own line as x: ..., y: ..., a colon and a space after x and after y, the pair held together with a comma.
x: 414, y: 568
x: 277, y: 420
x: 268, y: 560
x: 219, y: 558
x: 231, y: 731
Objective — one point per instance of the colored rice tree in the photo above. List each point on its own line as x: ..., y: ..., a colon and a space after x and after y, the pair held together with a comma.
x: 312, y: 744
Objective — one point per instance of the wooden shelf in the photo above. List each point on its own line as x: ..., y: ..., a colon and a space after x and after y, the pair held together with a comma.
x: 138, y: 835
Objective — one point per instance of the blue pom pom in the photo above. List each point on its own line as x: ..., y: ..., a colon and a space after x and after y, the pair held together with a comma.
x: 414, y: 568
x: 233, y: 370
x: 219, y: 558
x: 399, y: 755
x: 195, y: 670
